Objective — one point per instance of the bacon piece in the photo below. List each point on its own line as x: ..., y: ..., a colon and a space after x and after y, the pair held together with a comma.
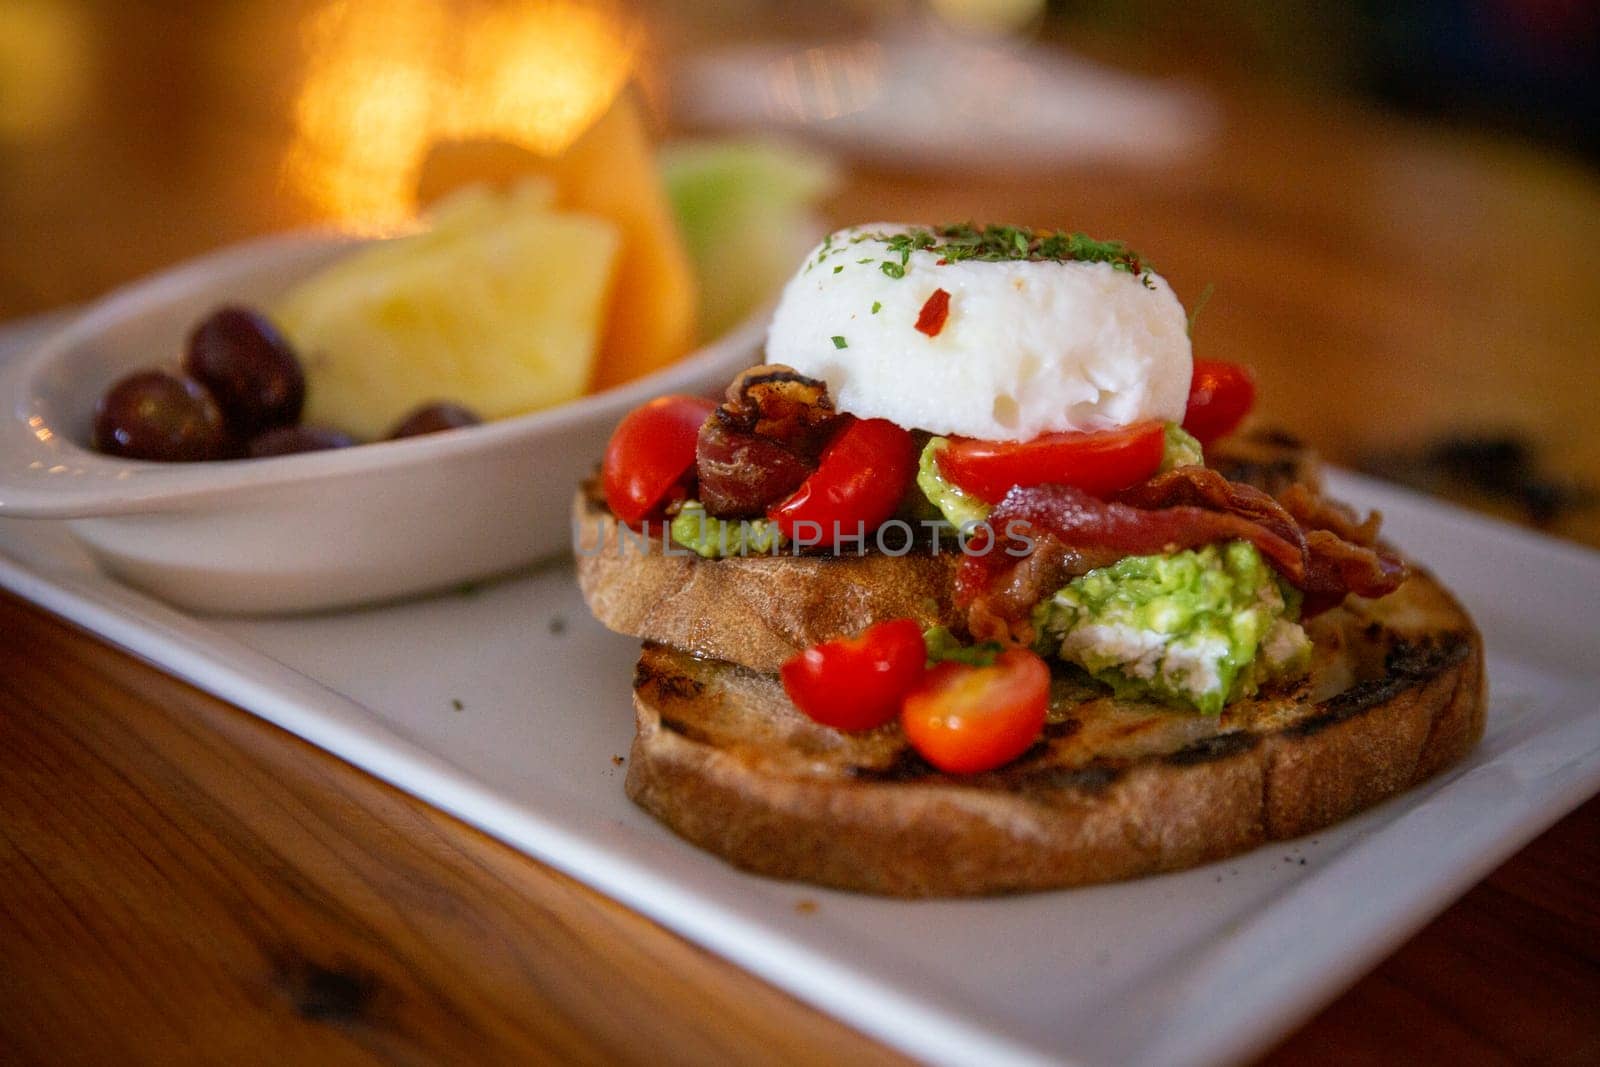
x: 1340, y: 549
x: 1335, y: 566
x: 779, y: 402
x: 1202, y: 487
x: 1196, y: 508
x: 1316, y: 512
x: 741, y: 473
x: 762, y: 442
x: 1001, y: 611
x: 1096, y: 527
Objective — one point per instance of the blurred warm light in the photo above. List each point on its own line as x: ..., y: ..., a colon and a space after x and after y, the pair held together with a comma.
x: 539, y: 75
x: 45, y: 67
x: 390, y: 79
x: 364, y: 111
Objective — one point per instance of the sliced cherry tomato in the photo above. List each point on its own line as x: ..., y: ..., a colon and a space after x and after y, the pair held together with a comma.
x: 856, y: 683
x: 651, y: 450
x: 1220, y: 396
x: 965, y: 719
x: 864, y: 472
x: 1101, y: 463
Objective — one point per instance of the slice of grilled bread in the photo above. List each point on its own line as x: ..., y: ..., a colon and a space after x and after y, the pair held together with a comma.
x: 756, y: 611
x: 1113, y: 790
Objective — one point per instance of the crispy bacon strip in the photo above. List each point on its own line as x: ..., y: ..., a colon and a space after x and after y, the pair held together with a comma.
x: 1340, y: 549
x: 1315, y: 512
x: 741, y: 473
x: 1185, y: 508
x: 1096, y: 527
x: 762, y: 442
x: 1335, y: 566
x: 780, y: 403
x: 1001, y: 611
x: 1202, y: 487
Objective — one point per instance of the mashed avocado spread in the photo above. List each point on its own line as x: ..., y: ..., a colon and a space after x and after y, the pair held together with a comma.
x: 958, y: 506
x: 1197, y: 628
x: 1180, y: 448
x: 714, y: 538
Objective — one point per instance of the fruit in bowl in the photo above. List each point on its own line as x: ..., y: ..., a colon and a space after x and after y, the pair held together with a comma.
x: 498, y: 307
x: 509, y: 301
x: 338, y: 526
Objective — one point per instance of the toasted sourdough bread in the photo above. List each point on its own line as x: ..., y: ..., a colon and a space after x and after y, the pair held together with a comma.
x: 756, y: 611
x: 1114, y: 789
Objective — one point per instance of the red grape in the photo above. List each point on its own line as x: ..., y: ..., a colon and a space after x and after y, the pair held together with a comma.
x: 159, y: 416
x: 249, y: 367
x: 432, y: 418
x: 285, y: 440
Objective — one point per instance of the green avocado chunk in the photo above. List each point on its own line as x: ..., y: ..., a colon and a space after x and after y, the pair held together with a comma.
x: 1180, y: 448
x: 944, y: 647
x: 958, y: 506
x: 1197, y: 628
x: 714, y: 538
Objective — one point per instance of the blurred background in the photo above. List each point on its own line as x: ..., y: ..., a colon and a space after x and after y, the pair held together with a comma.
x: 1396, y: 205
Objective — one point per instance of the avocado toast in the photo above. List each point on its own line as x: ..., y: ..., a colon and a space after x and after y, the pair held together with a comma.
x: 1133, y: 651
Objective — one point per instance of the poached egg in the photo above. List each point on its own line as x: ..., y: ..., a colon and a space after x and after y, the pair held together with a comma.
x: 1027, y: 345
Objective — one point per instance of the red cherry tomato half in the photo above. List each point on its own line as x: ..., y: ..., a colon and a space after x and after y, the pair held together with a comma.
x: 858, y: 484
x: 965, y: 719
x: 856, y: 683
x: 1220, y: 396
x: 651, y: 450
x: 1101, y: 463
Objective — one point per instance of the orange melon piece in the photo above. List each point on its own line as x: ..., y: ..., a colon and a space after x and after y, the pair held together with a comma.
x: 611, y: 171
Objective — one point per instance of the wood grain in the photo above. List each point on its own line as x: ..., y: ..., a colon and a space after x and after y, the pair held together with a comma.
x: 1509, y: 974
x: 181, y: 881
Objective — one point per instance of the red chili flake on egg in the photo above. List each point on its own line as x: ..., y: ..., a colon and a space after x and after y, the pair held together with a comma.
x: 930, y: 320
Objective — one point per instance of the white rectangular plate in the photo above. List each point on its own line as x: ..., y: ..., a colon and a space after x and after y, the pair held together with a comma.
x: 505, y: 706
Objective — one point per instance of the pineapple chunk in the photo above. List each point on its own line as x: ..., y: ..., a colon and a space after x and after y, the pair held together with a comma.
x: 499, y: 308
x: 609, y: 171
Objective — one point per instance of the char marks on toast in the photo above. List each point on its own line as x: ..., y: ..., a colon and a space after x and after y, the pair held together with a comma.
x: 1114, y: 789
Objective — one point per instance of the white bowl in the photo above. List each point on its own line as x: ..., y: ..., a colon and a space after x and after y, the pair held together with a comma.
x: 309, y: 531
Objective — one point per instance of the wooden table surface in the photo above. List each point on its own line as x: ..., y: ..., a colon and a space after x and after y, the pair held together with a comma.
x: 181, y: 881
